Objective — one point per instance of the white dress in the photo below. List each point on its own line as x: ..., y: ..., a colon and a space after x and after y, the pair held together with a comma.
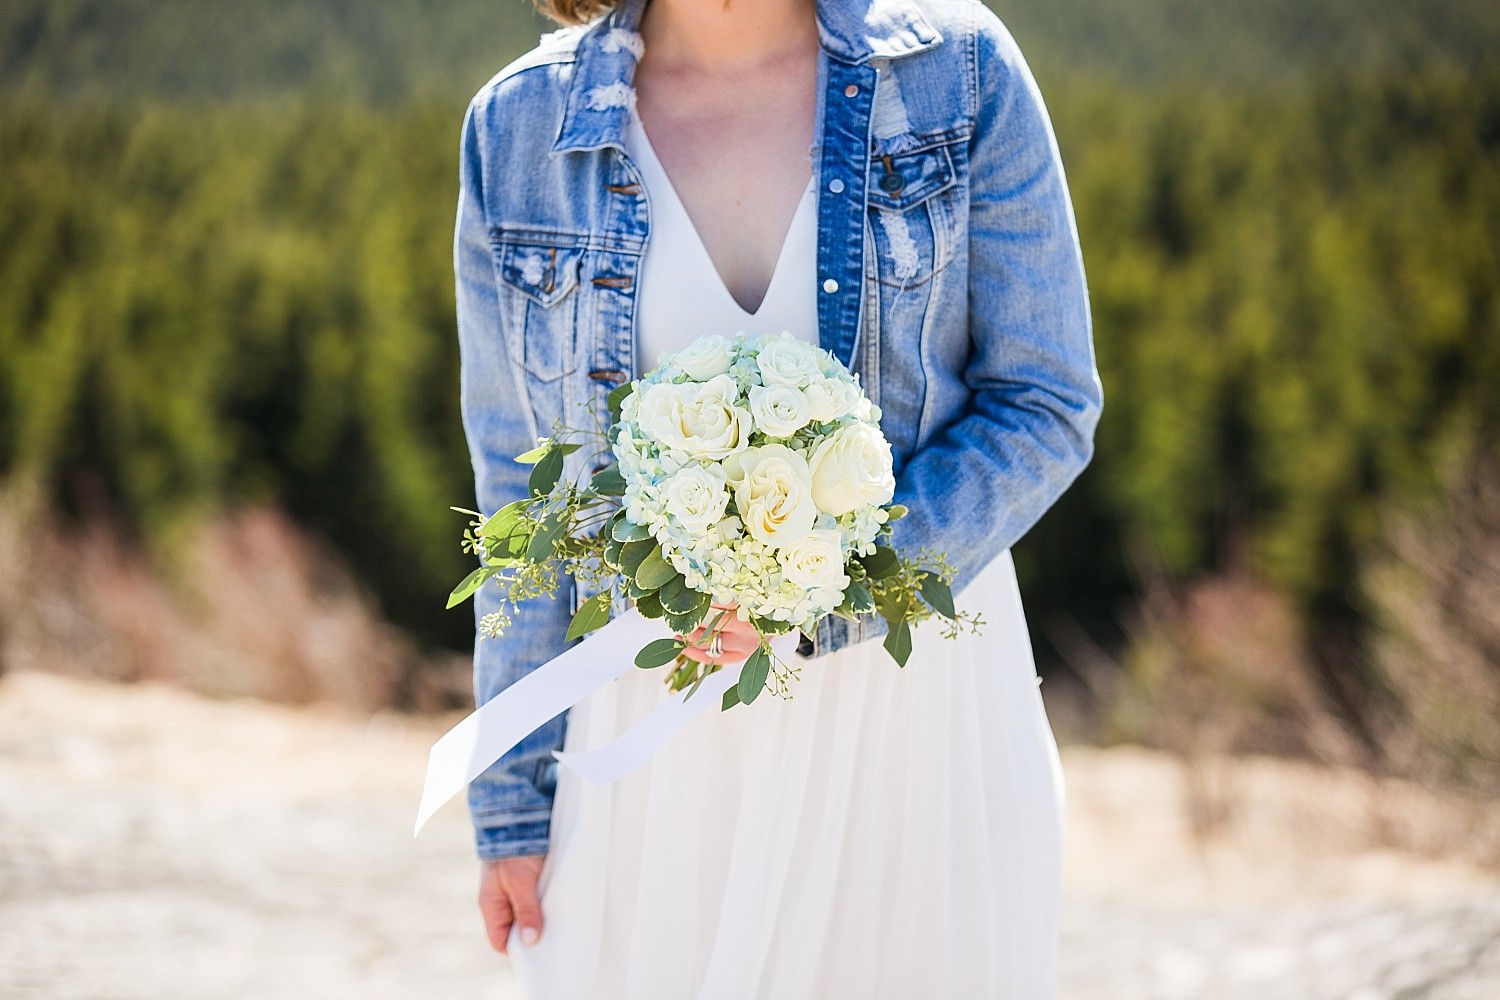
x: 883, y: 833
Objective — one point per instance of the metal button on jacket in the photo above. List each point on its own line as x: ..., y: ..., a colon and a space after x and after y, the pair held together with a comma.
x: 892, y: 182
x: 836, y: 186
x: 829, y: 285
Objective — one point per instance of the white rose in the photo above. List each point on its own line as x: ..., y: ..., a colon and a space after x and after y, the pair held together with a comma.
x: 785, y: 360
x: 815, y: 561
x: 696, y: 497
x: 700, y: 419
x: 832, y: 399
x: 704, y: 358
x: 774, y: 494
x: 851, y: 467
x: 779, y: 410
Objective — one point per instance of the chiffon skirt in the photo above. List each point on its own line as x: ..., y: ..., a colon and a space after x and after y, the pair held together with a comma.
x: 884, y: 832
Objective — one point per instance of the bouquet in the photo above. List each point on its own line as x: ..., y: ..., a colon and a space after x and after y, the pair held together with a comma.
x: 745, y: 476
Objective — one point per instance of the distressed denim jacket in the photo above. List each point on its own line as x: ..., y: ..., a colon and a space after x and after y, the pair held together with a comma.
x: 949, y: 278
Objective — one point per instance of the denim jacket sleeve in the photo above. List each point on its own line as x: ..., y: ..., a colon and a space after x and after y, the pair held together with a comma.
x: 510, y: 803
x: 1035, y: 395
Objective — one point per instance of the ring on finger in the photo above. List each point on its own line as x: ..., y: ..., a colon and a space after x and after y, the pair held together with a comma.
x: 716, y: 645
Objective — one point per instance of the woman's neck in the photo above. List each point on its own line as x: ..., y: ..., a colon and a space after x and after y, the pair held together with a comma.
x: 707, y: 36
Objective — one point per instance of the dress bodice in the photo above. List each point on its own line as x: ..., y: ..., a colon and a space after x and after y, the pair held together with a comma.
x: 681, y: 296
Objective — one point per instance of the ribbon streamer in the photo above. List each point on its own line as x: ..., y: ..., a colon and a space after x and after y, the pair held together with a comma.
x: 469, y: 748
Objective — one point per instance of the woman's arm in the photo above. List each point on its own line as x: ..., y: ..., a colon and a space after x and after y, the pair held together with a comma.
x: 511, y: 802
x: 1035, y: 396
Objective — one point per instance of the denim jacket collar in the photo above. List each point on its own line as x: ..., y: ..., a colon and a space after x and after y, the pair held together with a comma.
x: 600, y: 95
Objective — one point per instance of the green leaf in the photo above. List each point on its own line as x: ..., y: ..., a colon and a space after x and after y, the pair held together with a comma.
x: 507, y: 549
x: 678, y: 598
x: 771, y: 626
x: 540, y: 451
x: 649, y: 605
x: 627, y: 530
x: 896, y: 512
x: 654, y: 570
x: 731, y: 698
x: 898, y: 642
x: 936, y: 593
x: 857, y: 599
x: 753, y: 675
x: 470, y: 583
x: 632, y: 554
x: 546, y: 472
x: 591, y: 614
x: 535, y: 455
x: 544, y: 542
x: 612, y: 549
x: 881, y: 563
x: 616, y: 399
x: 608, y: 481
x: 658, y: 652
x: 688, y: 620
x: 505, y: 520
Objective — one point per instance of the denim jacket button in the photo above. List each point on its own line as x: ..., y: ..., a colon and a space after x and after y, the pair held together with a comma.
x: 830, y: 286
x: 836, y: 186
x: 851, y: 90
x: 892, y: 182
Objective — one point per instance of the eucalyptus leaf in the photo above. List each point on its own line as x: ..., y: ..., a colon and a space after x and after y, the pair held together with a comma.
x: 898, y: 642
x: 616, y: 399
x: 546, y: 472
x: 470, y: 583
x: 608, y: 481
x: 535, y: 455
x: 505, y: 520
x: 937, y: 593
x: 753, y: 675
x: 658, y: 652
x: 591, y: 614
x: 544, y: 543
x: 731, y: 698
x: 881, y: 563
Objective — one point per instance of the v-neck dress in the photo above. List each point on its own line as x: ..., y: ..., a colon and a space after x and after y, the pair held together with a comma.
x: 884, y: 833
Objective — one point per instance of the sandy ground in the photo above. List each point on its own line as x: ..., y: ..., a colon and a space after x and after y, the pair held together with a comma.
x: 154, y: 844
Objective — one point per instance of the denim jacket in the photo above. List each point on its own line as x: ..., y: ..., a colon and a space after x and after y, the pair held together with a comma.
x: 949, y: 277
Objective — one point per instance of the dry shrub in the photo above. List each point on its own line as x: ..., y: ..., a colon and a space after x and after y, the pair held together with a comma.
x: 1435, y: 597
x: 1218, y: 668
x: 250, y: 606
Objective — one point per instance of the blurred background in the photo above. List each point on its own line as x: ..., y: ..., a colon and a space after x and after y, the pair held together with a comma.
x: 1268, y: 614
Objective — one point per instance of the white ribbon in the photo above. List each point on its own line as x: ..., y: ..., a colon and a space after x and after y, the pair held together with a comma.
x: 469, y: 748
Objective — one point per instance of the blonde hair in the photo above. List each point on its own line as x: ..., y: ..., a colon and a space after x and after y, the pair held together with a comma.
x: 570, y: 12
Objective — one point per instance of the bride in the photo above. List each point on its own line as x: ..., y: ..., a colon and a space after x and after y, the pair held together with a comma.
x: 879, y: 177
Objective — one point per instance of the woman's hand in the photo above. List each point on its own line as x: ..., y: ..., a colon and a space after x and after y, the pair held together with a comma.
x: 739, y: 639
x: 507, y: 897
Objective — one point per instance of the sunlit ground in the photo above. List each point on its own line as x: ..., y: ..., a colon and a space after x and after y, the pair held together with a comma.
x: 156, y: 844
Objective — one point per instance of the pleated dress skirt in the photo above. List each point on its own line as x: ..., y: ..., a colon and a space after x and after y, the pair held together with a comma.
x: 884, y: 832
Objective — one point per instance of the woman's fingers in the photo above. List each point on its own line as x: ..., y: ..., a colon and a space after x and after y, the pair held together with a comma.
x: 738, y: 639
x: 508, y: 899
x: 494, y: 905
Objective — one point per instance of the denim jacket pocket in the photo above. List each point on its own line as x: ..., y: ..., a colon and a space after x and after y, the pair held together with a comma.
x: 911, y: 214
x: 543, y: 276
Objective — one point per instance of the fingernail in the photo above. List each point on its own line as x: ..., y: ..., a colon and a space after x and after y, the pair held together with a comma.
x: 528, y: 936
